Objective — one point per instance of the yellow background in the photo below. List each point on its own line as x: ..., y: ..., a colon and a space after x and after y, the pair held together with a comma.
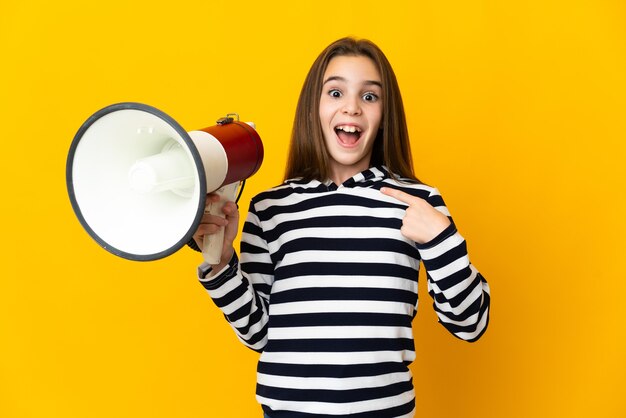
x: 517, y: 111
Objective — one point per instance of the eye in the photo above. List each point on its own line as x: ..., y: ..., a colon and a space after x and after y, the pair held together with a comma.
x: 335, y: 93
x: 370, y: 97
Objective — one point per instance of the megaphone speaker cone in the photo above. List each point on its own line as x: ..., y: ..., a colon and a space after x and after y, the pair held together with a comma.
x: 126, y: 190
x: 138, y: 181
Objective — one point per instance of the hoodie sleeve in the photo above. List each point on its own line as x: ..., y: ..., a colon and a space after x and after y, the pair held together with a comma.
x: 461, y: 295
x: 241, y: 289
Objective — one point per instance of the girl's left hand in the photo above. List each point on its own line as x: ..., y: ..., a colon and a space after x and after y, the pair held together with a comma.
x: 421, y: 222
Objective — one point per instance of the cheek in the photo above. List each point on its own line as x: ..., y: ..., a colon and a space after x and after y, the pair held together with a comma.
x: 375, y: 118
x: 379, y: 110
x: 326, y: 113
x: 322, y: 109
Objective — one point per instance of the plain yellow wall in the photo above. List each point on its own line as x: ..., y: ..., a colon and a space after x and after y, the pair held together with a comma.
x: 517, y: 111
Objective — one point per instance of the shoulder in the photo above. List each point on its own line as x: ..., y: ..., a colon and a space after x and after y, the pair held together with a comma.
x: 284, y: 193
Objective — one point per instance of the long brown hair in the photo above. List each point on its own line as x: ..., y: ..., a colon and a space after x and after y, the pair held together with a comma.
x: 308, y: 158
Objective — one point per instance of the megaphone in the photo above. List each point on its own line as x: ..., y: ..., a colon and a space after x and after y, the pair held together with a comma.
x: 138, y: 181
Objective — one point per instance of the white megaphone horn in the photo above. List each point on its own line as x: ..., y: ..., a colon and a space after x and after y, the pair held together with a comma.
x: 138, y: 181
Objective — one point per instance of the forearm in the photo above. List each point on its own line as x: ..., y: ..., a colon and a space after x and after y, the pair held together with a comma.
x: 460, y: 293
x: 243, y: 308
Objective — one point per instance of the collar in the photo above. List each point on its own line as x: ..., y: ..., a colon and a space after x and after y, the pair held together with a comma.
x: 363, y: 179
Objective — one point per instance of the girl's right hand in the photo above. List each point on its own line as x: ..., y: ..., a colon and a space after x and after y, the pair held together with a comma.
x: 210, y: 224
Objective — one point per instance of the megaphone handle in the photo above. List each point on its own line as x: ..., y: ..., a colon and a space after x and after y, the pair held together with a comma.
x: 213, y: 243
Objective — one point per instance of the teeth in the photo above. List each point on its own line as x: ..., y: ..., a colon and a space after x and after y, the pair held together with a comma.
x: 350, y: 129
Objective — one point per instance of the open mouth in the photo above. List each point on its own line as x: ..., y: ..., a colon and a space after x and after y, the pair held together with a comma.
x: 348, y: 134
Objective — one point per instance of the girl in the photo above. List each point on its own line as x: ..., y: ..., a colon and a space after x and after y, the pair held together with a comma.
x: 326, y: 287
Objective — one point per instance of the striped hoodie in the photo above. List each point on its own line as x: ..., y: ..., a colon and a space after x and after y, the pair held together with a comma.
x: 326, y: 290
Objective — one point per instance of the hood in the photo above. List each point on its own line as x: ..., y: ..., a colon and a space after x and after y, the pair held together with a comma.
x: 367, y: 178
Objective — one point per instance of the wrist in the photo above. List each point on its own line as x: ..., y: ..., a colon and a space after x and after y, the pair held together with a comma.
x: 447, y: 232
x: 214, y: 276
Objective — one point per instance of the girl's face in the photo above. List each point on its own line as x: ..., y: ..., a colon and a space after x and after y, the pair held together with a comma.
x: 350, y: 112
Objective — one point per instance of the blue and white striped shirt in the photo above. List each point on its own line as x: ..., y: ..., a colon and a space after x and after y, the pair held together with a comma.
x: 326, y: 290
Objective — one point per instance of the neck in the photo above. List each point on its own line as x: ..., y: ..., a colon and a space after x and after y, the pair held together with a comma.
x: 339, y: 175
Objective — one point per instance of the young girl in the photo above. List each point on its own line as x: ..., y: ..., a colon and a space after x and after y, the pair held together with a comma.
x: 326, y: 286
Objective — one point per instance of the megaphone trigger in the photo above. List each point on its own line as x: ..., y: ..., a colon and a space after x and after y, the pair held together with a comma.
x: 213, y: 243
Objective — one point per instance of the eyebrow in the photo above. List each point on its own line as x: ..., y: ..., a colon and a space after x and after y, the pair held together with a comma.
x: 367, y: 82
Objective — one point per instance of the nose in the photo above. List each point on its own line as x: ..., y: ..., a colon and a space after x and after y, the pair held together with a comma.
x: 351, y: 106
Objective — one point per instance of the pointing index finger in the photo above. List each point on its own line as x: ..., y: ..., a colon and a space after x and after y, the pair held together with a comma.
x: 398, y: 194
